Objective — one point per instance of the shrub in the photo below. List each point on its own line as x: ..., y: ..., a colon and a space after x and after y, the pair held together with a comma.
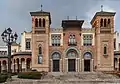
x: 3, y: 77
x: 30, y: 75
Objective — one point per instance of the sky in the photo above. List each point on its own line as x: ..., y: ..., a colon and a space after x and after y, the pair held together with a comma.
x: 15, y: 13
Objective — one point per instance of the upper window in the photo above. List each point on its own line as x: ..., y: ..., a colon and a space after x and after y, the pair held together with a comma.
x: 87, y: 39
x: 36, y: 22
x: 43, y: 22
x: 105, y: 23
x: 114, y: 44
x: 40, y: 22
x: 56, y: 39
x: 28, y: 46
x: 108, y: 21
x: 101, y: 23
x: 72, y: 40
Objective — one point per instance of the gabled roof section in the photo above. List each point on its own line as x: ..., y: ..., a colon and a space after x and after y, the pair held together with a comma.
x: 103, y: 13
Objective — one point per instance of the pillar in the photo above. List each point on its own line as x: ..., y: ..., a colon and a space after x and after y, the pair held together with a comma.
x: 51, y: 65
x: 91, y: 65
x: 25, y: 64
x: 66, y: 65
x: 82, y: 65
x: 60, y: 64
x: 118, y: 64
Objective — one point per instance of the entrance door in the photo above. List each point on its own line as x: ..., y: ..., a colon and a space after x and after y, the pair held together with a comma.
x: 86, y: 65
x: 55, y: 65
x: 71, y: 64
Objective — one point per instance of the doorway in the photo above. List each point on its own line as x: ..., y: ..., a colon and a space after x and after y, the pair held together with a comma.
x: 55, y: 65
x: 71, y: 65
x: 86, y: 65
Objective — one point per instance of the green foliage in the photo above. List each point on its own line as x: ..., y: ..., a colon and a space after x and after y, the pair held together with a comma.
x: 3, y: 77
x: 31, y: 75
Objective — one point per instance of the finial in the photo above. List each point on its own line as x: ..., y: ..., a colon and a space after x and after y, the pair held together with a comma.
x: 76, y: 17
x: 67, y: 17
x: 102, y: 8
x: 41, y: 7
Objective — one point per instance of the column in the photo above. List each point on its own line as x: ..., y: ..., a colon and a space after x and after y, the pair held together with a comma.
x: 91, y: 65
x: 66, y: 65
x: 20, y: 66
x: 51, y: 65
x: 78, y: 64
x: 60, y: 65
x: 25, y: 65
x: 82, y: 65
x: 118, y: 64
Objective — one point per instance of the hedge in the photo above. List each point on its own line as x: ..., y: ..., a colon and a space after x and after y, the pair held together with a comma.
x: 31, y: 75
x: 3, y: 77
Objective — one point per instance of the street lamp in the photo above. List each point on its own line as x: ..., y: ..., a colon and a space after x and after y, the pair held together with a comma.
x: 8, y: 37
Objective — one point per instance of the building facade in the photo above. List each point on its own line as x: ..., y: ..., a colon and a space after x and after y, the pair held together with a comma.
x: 72, y: 47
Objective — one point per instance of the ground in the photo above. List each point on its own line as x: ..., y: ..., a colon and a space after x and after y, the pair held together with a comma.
x: 71, y: 78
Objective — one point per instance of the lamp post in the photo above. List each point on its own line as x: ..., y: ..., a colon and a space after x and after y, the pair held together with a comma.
x: 8, y: 37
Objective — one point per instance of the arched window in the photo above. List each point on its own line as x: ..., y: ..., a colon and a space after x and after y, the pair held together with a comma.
x: 40, y: 22
x: 101, y: 23
x: 108, y: 21
x: 87, y: 55
x: 36, y: 22
x: 40, y: 50
x: 105, y: 49
x: 105, y: 22
x: 43, y: 22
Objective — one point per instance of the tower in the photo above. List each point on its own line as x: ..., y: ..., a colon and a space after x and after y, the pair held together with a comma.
x: 103, y: 22
x: 41, y: 21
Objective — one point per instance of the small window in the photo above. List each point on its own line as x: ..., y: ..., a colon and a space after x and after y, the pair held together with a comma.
x: 43, y: 22
x: 40, y: 50
x: 28, y: 46
x: 101, y: 22
x: 36, y: 22
x: 105, y: 22
x: 105, y: 49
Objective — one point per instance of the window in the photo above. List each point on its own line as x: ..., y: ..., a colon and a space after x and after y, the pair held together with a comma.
x: 40, y: 54
x: 43, y: 22
x: 36, y: 22
x: 40, y: 50
x: 56, y: 55
x: 28, y: 44
x: 108, y: 21
x: 105, y: 49
x: 40, y: 22
x: 104, y: 22
x: 72, y: 40
x: 87, y: 40
x: 114, y: 44
x: 55, y: 39
x: 101, y: 23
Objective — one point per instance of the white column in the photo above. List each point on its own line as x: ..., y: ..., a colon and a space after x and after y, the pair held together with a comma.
x: 66, y: 65
x: 51, y: 67
x: 60, y: 64
x: 91, y: 65
x: 25, y: 65
x: 118, y: 64
x: 82, y: 65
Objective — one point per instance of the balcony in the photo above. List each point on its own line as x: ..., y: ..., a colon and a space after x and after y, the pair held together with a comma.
x: 72, y: 43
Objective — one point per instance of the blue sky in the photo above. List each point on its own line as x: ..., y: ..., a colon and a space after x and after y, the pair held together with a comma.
x: 15, y: 13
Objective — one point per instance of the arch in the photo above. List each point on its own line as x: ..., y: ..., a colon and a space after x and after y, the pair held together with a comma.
x: 39, y: 49
x: 72, y: 53
x: 44, y: 22
x: 56, y: 55
x: 105, y: 21
x: 87, y: 51
x: 72, y: 48
x: 87, y: 55
x: 40, y: 22
x: 36, y: 22
x: 101, y: 22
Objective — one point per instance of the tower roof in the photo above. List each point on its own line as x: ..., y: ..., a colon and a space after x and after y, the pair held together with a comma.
x: 102, y: 13
x: 41, y: 13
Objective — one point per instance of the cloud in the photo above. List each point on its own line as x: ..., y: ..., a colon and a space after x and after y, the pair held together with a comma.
x: 15, y: 13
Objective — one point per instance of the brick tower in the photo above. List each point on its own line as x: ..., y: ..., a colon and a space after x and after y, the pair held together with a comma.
x: 103, y: 22
x: 41, y: 21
